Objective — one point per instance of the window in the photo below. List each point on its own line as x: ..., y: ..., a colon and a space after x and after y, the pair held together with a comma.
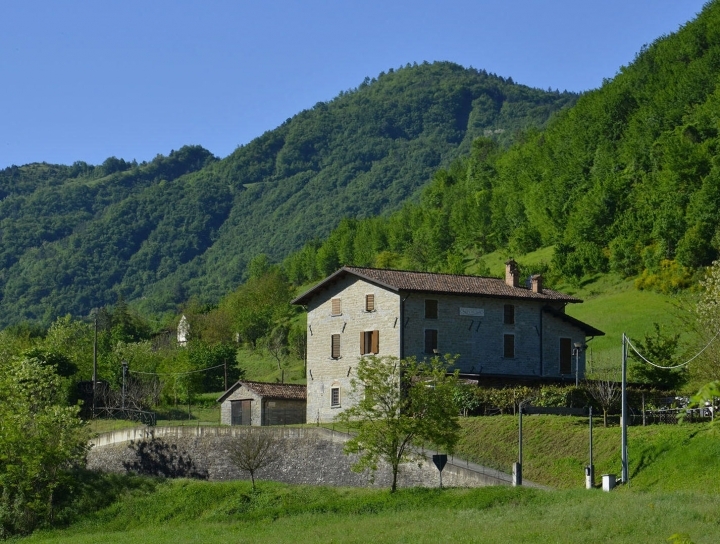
x: 509, y: 346
x: 431, y: 341
x: 335, y: 346
x: 369, y: 303
x: 509, y: 318
x: 431, y: 309
x: 335, y: 397
x: 369, y: 342
x: 565, y: 356
x: 336, y: 307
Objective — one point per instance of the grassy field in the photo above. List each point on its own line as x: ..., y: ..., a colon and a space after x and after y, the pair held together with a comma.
x: 683, y: 457
x: 614, y: 306
x: 183, y: 511
x: 261, y: 367
x: 674, y: 489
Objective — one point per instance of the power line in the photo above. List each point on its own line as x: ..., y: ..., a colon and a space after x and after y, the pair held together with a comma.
x: 675, y: 366
x: 176, y: 373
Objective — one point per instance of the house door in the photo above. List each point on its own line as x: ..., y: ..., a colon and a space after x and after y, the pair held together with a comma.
x: 565, y: 356
x: 240, y: 412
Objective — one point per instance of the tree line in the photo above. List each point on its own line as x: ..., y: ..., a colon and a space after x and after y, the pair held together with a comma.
x: 626, y: 181
x: 187, y: 224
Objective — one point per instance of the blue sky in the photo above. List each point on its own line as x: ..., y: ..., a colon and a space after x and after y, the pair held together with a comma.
x: 85, y: 80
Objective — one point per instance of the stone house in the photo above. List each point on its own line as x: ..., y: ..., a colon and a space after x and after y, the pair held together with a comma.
x: 496, y: 328
x: 257, y: 403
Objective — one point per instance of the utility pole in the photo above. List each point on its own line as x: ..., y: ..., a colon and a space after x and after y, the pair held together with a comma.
x: 578, y: 347
x: 624, y: 452
x: 226, y: 387
x: 517, y: 467
x: 124, y: 372
x: 94, y: 376
x: 590, y: 471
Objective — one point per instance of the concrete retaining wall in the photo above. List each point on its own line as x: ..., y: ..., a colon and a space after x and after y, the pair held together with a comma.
x: 308, y: 455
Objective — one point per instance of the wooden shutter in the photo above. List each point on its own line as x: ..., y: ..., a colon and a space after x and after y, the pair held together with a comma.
x: 335, y: 346
x: 375, y: 342
x: 509, y: 346
x: 565, y: 356
x: 336, y: 308
x: 369, y: 303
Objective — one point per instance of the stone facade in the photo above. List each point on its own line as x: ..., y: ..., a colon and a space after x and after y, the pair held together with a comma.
x: 324, y: 372
x: 494, y: 327
x: 473, y: 328
x: 309, y: 455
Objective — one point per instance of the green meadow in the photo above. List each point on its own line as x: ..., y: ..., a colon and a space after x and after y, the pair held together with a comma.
x: 184, y: 511
x: 674, y: 490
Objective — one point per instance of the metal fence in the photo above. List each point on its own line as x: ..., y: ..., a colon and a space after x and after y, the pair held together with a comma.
x: 672, y: 416
x: 142, y: 416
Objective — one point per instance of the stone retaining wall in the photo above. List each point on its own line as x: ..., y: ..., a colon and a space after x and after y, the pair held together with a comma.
x: 309, y: 455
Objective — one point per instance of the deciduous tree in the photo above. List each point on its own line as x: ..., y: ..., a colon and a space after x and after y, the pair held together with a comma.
x: 255, y: 449
x: 399, y: 401
x: 40, y: 438
x: 661, y: 349
x: 605, y: 389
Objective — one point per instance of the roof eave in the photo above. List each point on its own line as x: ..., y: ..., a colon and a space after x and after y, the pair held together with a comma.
x: 589, y: 330
x: 307, y: 295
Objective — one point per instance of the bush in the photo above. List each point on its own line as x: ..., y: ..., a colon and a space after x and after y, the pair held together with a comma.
x: 671, y: 277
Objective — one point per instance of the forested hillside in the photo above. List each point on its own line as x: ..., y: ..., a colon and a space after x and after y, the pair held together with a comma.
x: 626, y: 180
x: 77, y: 237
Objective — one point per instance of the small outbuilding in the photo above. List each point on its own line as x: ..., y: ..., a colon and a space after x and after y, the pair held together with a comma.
x: 258, y: 403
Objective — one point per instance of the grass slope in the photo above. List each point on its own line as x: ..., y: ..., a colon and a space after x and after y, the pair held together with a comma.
x: 682, y: 457
x: 674, y: 490
x: 615, y: 307
x: 187, y: 511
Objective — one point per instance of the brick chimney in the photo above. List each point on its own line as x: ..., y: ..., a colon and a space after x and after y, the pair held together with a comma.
x: 536, y: 283
x: 512, y: 274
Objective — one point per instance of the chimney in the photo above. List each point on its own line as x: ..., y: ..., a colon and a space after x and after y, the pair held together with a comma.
x: 512, y: 274
x: 536, y: 283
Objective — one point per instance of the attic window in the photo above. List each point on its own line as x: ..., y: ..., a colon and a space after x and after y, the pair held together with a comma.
x: 369, y: 303
x: 336, y: 307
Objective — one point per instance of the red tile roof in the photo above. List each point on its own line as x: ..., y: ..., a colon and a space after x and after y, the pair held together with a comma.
x: 287, y: 391
x: 452, y: 284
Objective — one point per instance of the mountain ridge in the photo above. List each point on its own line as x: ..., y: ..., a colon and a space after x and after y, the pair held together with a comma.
x: 186, y: 225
